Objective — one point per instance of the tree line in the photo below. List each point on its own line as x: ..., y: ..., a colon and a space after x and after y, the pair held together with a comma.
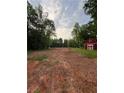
x: 39, y: 28
x: 62, y: 43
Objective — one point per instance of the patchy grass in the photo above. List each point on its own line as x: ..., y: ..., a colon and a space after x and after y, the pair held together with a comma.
x: 39, y: 58
x: 29, y: 52
x: 37, y: 91
x: 87, y: 53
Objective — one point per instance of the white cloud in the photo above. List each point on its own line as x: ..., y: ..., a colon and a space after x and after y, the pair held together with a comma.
x: 64, y: 13
x: 64, y: 33
x: 52, y: 7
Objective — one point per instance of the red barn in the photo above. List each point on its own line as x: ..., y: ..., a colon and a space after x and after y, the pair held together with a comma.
x: 90, y: 44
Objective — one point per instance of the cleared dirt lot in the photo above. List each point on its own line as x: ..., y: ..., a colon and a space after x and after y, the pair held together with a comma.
x: 63, y: 71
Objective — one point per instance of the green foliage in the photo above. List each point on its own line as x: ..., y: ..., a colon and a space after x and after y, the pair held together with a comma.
x: 86, y: 32
x: 66, y: 43
x: 86, y: 53
x: 90, y: 8
x: 39, y: 28
x: 76, y: 35
x: 80, y: 33
x: 62, y: 43
x: 56, y: 42
x: 72, y: 43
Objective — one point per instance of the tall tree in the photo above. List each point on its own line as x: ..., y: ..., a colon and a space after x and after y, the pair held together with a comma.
x: 31, y: 23
x: 39, y: 28
x: 90, y: 8
x: 75, y: 33
x: 65, y: 44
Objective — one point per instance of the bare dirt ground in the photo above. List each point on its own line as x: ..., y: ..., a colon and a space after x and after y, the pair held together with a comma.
x: 63, y: 72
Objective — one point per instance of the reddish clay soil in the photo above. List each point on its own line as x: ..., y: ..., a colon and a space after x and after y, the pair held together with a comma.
x: 63, y: 72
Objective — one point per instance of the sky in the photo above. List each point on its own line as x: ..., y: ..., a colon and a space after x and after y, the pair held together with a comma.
x: 64, y: 13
